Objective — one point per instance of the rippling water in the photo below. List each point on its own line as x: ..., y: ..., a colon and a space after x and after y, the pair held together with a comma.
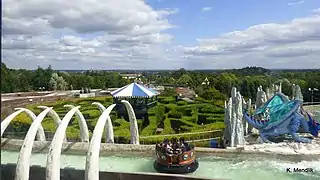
x: 237, y: 167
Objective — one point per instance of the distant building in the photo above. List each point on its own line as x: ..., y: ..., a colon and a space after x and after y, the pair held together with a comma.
x: 205, y: 82
x: 130, y: 76
x: 185, y: 92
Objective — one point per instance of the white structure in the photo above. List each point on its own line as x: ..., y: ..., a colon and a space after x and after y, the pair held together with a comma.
x: 296, y: 92
x: 234, y: 131
x: 53, y: 158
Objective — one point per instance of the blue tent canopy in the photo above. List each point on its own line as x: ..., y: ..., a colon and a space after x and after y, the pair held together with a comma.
x: 134, y: 90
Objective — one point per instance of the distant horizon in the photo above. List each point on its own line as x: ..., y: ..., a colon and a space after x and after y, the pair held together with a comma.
x: 173, y: 69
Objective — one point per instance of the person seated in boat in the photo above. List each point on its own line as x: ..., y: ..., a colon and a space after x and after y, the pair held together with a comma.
x: 183, y: 144
x: 178, y: 148
x: 169, y: 150
x: 186, y: 146
x: 166, y: 141
x: 168, y: 147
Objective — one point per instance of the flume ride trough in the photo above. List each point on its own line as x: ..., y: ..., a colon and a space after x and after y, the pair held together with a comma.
x: 280, y: 116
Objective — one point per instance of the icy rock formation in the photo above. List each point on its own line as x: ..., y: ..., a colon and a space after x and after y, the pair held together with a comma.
x: 261, y: 97
x: 246, y: 126
x: 296, y: 92
x: 279, y: 88
x: 227, y: 121
x: 234, y: 120
x: 270, y: 91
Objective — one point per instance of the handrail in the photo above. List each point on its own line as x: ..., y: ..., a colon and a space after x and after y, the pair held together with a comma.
x: 199, y: 140
x: 168, y: 135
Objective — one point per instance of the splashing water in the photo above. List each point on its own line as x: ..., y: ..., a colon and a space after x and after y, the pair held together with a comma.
x: 237, y: 167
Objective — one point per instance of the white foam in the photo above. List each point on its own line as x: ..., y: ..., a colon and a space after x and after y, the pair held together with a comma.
x: 287, y: 147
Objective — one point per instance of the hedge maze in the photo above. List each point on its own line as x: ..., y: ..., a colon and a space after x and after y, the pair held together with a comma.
x: 168, y: 117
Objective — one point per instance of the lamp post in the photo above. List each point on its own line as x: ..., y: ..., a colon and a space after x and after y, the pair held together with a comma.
x: 312, y: 90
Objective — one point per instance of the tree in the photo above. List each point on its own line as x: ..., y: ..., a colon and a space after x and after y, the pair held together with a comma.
x: 184, y: 79
x: 57, y: 82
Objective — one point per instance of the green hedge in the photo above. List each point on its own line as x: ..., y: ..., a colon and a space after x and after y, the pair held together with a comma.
x: 151, y: 128
x: 174, y: 114
x: 167, y: 127
x: 167, y: 100
x: 165, y: 113
x: 160, y: 113
x: 182, y: 103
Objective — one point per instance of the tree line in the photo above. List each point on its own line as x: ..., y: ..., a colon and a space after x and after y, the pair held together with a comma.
x: 218, y: 86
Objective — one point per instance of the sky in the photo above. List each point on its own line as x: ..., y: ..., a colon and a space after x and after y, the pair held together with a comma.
x: 160, y: 34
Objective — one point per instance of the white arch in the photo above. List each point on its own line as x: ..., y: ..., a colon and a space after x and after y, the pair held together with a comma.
x: 54, y: 115
x: 53, y: 158
x: 84, y: 131
x: 100, y: 106
x: 134, y: 130
x: 40, y: 134
x: 4, y: 124
x: 92, y: 159
x: 108, y: 125
x: 23, y: 163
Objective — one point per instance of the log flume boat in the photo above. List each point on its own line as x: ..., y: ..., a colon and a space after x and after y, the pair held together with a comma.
x: 175, y: 157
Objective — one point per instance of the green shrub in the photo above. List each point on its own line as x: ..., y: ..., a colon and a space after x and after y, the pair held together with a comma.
x: 167, y: 100
x: 152, y: 111
x: 210, y: 120
x: 209, y: 127
x: 122, y: 132
x: 219, y: 103
x: 139, y: 122
x: 121, y: 122
x: 167, y: 127
x: 187, y: 112
x: 91, y: 114
x: 174, y: 114
x: 72, y: 133
x: 192, y: 119
x: 151, y: 128
x: 180, y: 125
x: 182, y: 103
x: 207, y: 109
x: 160, y: 113
x: 169, y: 107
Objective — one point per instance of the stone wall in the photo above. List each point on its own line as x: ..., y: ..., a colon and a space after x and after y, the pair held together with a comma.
x: 38, y: 173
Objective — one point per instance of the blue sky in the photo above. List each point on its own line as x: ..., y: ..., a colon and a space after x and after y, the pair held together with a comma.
x: 228, y: 15
x: 161, y: 34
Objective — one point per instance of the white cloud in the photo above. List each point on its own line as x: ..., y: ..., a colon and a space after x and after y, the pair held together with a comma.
x: 206, y: 9
x: 108, y: 34
x: 80, y: 32
x: 295, y: 44
x: 296, y: 3
x: 317, y: 11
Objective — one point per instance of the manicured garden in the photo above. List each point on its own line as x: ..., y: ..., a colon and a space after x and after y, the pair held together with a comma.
x: 173, y: 117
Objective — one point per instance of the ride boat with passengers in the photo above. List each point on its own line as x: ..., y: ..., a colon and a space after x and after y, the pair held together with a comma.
x: 176, y: 157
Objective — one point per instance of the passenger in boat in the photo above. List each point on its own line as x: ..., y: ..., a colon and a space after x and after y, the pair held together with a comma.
x: 166, y: 141
x: 183, y: 144
x: 178, y: 148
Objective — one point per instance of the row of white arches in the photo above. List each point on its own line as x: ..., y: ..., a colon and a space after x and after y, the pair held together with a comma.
x: 53, y: 158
